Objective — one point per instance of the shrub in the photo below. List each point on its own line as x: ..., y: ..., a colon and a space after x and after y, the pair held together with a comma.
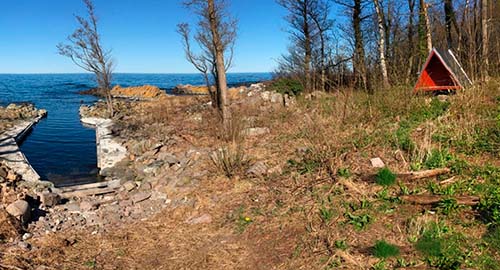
x: 230, y: 160
x: 383, y: 250
x: 385, y: 177
x: 287, y: 86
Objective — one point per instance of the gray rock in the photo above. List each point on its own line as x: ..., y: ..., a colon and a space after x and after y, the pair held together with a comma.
x: 266, y: 95
x: 377, y: 163
x: 24, y: 245
x: 258, y: 131
x: 88, y: 205
x: 153, y: 167
x: 50, y: 199
x: 145, y: 186
x: 140, y: 196
x: 27, y: 236
x: 276, y: 98
x: 168, y: 158
x: 257, y: 169
x: 72, y: 207
x: 3, y: 173
x: 20, y: 209
x: 129, y: 186
x: 203, y: 219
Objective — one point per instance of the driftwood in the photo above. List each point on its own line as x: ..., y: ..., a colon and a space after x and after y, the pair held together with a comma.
x: 424, y: 174
x: 433, y: 199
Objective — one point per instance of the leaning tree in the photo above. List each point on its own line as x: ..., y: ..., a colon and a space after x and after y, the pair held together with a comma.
x: 84, y: 48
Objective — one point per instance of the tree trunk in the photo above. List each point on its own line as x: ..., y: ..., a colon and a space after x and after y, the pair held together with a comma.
x: 220, y: 66
x: 448, y: 15
x: 382, y: 43
x: 213, y: 94
x: 359, y: 66
x: 427, y: 26
x: 307, y: 47
x: 484, y: 38
x: 411, y: 46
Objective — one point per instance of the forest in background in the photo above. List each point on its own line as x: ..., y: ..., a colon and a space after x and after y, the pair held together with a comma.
x: 381, y: 43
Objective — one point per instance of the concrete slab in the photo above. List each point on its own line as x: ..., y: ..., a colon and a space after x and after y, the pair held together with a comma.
x: 12, y: 155
x: 109, y: 150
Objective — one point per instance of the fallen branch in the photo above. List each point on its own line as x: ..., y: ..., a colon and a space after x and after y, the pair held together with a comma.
x: 425, y: 174
x: 433, y: 199
x: 449, y: 181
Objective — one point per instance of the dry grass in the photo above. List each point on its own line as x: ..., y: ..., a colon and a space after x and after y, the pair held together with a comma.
x: 305, y: 214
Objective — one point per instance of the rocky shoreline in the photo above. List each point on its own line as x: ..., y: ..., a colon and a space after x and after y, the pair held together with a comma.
x: 147, y: 164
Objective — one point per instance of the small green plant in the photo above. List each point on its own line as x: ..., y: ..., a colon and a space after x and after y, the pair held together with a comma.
x: 437, y: 159
x: 243, y: 222
x: 381, y: 265
x: 384, y: 250
x: 326, y: 214
x: 358, y: 221
x: 344, y: 172
x: 448, y: 206
x: 305, y: 166
x: 287, y: 86
x: 490, y: 205
x: 385, y: 177
x: 341, y: 244
x: 91, y: 264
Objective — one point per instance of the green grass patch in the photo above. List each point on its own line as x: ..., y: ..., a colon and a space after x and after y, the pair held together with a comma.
x: 385, y: 177
x: 443, y: 249
x: 384, y: 250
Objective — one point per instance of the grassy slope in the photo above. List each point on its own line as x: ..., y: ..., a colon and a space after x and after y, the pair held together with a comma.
x: 321, y: 206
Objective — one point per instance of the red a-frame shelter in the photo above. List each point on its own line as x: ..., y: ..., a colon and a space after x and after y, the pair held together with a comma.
x: 441, y: 72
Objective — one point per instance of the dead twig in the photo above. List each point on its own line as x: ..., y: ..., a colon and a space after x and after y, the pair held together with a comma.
x: 425, y: 174
x: 449, y: 181
x: 433, y: 199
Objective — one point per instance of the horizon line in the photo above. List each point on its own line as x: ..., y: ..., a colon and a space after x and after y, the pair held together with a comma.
x: 139, y: 73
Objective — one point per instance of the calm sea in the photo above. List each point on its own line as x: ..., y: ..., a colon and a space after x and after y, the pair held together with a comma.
x: 60, y: 148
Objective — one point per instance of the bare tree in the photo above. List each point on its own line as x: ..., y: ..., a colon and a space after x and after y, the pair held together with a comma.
x: 382, y: 42
x: 216, y: 36
x: 319, y: 14
x: 355, y: 10
x: 301, y: 30
x: 202, y: 62
x: 86, y: 51
x: 484, y: 37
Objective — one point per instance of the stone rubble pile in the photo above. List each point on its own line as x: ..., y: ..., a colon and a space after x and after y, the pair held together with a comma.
x: 15, y: 112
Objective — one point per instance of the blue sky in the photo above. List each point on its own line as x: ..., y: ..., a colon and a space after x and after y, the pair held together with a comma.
x: 141, y: 34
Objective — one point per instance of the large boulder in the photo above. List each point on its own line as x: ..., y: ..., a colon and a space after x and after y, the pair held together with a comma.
x: 20, y: 209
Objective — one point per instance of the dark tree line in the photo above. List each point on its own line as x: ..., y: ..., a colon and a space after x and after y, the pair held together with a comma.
x: 385, y: 42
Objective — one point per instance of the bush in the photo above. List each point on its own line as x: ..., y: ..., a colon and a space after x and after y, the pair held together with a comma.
x: 385, y: 177
x: 383, y: 250
x: 230, y: 160
x: 287, y: 86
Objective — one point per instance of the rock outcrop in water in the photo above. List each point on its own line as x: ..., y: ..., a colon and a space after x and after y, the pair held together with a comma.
x: 145, y: 91
x: 13, y: 113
